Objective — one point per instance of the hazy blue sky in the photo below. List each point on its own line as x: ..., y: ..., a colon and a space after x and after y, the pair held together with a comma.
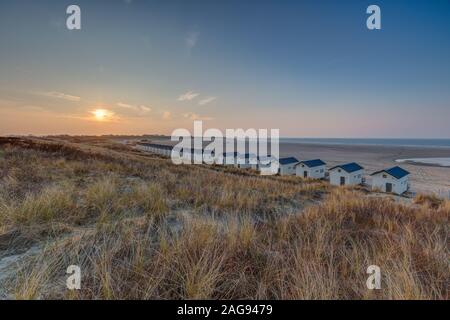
x: 309, y: 68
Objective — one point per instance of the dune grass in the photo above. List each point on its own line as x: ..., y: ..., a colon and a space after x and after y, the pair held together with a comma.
x: 142, y: 228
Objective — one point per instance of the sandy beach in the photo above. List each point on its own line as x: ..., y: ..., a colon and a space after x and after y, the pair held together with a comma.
x: 424, y: 178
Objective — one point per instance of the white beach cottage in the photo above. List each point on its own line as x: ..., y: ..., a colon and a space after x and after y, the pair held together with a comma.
x: 197, y: 156
x: 346, y: 175
x: 245, y: 161
x: 157, y: 149
x: 167, y: 150
x: 161, y: 149
x: 144, y: 146
x: 314, y: 169
x: 264, y: 162
x: 393, y: 180
x: 287, y: 166
x: 187, y: 155
x: 229, y: 158
x: 141, y: 146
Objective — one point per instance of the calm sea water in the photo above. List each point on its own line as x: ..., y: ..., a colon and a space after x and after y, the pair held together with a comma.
x: 443, y: 143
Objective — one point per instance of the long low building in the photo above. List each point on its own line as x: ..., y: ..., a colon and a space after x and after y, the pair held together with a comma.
x: 155, y: 148
x: 394, y: 180
x: 190, y: 155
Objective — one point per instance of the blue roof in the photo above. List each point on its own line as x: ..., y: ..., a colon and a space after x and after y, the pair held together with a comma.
x: 349, y: 167
x: 313, y: 163
x: 288, y: 160
x: 227, y: 154
x: 396, y: 172
x: 190, y: 150
x: 248, y: 155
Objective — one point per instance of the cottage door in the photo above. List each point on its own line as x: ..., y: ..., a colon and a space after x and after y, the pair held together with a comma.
x: 342, y: 181
x: 305, y: 174
x: 388, y: 187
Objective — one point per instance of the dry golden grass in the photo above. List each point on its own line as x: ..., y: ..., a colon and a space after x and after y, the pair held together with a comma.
x: 428, y: 199
x: 142, y: 228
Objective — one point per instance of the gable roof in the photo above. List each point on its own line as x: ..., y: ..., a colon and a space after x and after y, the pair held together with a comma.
x: 247, y: 155
x: 289, y: 160
x: 396, y: 172
x: 313, y: 163
x: 228, y: 154
x: 349, y: 167
x: 266, y: 157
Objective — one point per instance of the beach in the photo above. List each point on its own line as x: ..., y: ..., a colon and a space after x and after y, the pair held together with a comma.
x: 425, y: 178
x: 427, y: 164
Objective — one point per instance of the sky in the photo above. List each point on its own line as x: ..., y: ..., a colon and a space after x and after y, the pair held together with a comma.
x: 308, y: 68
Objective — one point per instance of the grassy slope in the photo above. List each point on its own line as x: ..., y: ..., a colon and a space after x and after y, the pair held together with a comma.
x: 140, y: 227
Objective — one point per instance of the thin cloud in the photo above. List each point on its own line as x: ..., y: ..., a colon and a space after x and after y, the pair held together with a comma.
x: 188, y: 96
x: 124, y: 105
x: 167, y: 115
x: 206, y: 101
x: 145, y: 108
x: 194, y: 116
x: 191, y: 40
x: 141, y: 108
x: 34, y: 108
x: 60, y: 95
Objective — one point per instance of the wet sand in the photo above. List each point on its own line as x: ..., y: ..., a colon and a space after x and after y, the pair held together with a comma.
x: 424, y: 178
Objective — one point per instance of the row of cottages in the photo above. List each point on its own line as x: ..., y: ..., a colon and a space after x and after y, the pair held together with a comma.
x: 161, y: 149
x: 393, y: 180
x: 251, y: 161
x: 246, y: 161
x: 229, y: 158
x: 287, y: 166
x: 314, y: 169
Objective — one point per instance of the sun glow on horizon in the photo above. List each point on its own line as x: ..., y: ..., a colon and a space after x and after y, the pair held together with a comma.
x: 102, y: 114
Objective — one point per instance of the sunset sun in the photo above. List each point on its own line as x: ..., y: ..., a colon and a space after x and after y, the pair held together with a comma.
x: 101, y: 114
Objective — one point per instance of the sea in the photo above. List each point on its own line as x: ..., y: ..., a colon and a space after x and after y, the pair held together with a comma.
x: 439, y: 143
